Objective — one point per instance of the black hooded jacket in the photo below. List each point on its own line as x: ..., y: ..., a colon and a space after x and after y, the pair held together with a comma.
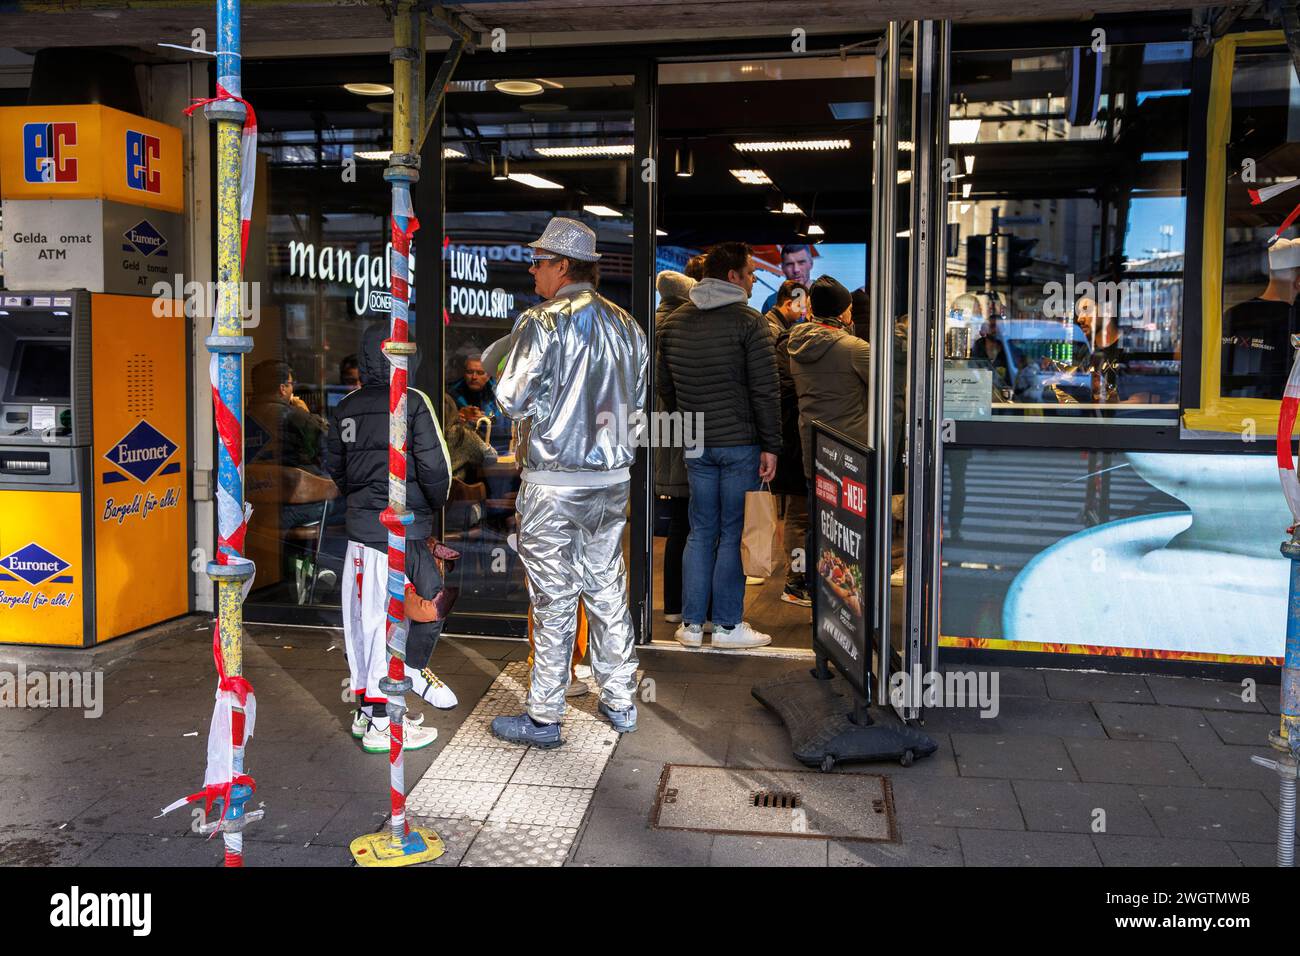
x: 359, y: 466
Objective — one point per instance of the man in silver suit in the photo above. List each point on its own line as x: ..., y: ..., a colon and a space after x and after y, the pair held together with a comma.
x: 573, y: 379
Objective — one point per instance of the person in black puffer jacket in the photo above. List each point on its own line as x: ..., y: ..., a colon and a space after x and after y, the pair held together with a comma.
x: 716, y: 361
x: 356, y: 456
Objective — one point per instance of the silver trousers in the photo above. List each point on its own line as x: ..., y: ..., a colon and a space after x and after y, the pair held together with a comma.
x: 571, y: 544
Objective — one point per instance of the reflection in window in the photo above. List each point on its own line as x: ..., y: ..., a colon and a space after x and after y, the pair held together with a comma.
x: 1260, y: 281
x: 1066, y: 220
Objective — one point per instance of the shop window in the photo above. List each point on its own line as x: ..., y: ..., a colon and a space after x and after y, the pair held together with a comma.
x: 1251, y: 278
x: 1067, y: 182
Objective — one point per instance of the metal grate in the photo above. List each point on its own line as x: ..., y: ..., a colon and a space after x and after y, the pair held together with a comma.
x: 775, y: 800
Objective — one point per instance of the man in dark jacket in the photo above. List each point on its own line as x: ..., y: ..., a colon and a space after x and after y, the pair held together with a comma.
x: 716, y: 359
x: 670, y: 463
x: 357, y: 458
x: 790, y: 308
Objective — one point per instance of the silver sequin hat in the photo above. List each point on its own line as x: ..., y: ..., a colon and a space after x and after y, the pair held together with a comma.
x: 568, y: 237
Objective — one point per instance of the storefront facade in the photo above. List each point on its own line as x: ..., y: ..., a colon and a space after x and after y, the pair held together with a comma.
x: 1053, y: 223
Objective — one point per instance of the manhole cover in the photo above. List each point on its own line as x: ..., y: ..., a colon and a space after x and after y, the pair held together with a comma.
x: 841, y: 806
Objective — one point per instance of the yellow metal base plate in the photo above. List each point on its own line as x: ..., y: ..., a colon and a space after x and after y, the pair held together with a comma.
x: 377, y: 849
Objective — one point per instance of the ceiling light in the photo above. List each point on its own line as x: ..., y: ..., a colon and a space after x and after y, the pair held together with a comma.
x: 537, y: 182
x: 451, y: 152
x: 499, y: 167
x: 815, y: 230
x: 961, y: 131
x: 752, y: 177
x: 969, y: 160
x: 372, y: 153
x: 792, y: 145
x: 904, y: 234
x: 964, y: 208
x: 965, y: 190
x: 904, y: 176
x: 369, y: 89
x: 566, y: 152
x: 791, y: 209
x: 598, y: 210
x: 905, y: 145
x: 660, y: 232
x: 518, y: 87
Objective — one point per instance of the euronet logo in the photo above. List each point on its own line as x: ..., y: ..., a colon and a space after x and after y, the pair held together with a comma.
x: 76, y: 909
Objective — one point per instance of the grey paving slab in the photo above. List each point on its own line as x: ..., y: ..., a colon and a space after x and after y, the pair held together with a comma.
x: 1210, y: 814
x: 1022, y: 757
x: 1117, y: 850
x: 1210, y: 694
x: 955, y: 802
x: 1255, y: 854
x: 1131, y: 761
x: 46, y: 846
x: 617, y: 837
x: 32, y: 802
x: 1248, y: 730
x: 134, y: 849
x: 1021, y: 715
x: 1072, y: 807
x: 628, y: 784
x: 135, y: 809
x: 1147, y: 722
x: 673, y: 740
x: 1013, y: 681
x: 517, y: 844
x: 918, y: 846
x: 294, y: 854
x: 1016, y: 848
x: 761, y: 745
x: 1097, y: 688
x: 767, y: 851
x: 730, y: 702
x: 1223, y: 765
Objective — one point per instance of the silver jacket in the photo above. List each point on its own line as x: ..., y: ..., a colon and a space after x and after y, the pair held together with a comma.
x: 574, y: 377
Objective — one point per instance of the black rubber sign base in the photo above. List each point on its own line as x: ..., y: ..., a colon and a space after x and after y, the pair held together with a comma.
x: 828, y: 727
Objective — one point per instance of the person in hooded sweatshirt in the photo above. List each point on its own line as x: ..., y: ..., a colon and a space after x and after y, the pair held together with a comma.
x: 716, y: 359
x: 831, y: 368
x: 356, y: 455
x: 670, y: 463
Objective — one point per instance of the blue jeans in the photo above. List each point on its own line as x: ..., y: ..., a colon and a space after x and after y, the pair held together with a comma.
x: 719, y: 478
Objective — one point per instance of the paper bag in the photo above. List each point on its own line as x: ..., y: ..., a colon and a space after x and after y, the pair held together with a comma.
x: 760, y: 549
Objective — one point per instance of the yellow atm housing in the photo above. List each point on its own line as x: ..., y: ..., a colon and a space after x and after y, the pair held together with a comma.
x: 94, y: 492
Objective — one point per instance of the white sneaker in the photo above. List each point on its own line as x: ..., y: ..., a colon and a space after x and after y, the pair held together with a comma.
x: 742, y: 635
x: 751, y: 581
x: 426, y: 683
x: 673, y: 618
x: 577, y: 687
x: 359, y: 723
x: 690, y: 635
x: 898, y: 578
x: 416, y: 737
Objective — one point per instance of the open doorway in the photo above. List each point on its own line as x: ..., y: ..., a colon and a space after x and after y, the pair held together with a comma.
x: 775, y: 153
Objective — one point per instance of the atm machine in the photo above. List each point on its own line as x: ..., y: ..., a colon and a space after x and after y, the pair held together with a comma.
x: 94, y: 519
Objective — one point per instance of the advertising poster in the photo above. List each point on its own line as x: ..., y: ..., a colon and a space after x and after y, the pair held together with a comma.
x: 842, y: 548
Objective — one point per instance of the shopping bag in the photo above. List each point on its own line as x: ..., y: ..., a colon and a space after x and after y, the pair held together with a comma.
x: 760, y: 551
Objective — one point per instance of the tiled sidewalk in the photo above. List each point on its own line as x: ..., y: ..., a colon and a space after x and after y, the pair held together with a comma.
x: 1166, y: 759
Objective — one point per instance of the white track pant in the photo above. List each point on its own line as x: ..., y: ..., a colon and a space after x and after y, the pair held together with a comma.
x: 571, y: 544
x: 365, y: 619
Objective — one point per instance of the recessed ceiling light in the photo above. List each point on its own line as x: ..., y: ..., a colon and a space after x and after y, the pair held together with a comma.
x: 660, y: 232
x: 369, y: 89
x: 904, y: 176
x: 451, y: 152
x: 543, y: 107
x: 373, y: 153
x: 752, y: 177
x: 791, y: 209
x: 566, y: 152
x: 598, y: 210
x: 518, y: 87
x: 537, y: 182
x: 815, y: 230
x: 969, y: 160
x: 792, y: 145
x: 962, y: 131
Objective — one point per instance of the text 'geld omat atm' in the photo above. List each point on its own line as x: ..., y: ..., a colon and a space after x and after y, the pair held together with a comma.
x: 94, y: 491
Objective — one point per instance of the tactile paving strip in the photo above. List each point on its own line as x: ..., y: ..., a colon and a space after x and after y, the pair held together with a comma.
x: 543, y: 805
x: 513, y: 844
x: 484, y: 764
x: 500, y: 804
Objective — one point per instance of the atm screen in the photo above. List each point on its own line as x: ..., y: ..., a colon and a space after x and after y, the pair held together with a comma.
x: 42, y: 371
